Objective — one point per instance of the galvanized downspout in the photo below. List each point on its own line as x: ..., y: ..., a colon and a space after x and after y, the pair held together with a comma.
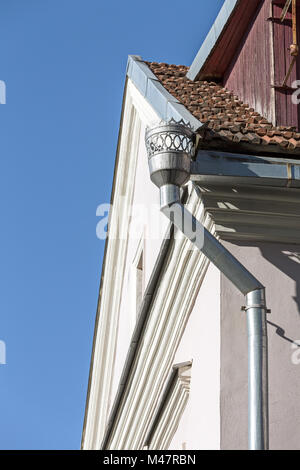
x: 170, y: 148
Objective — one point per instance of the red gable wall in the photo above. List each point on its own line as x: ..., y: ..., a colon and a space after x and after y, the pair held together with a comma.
x: 262, y: 60
x: 249, y: 75
x: 287, y: 113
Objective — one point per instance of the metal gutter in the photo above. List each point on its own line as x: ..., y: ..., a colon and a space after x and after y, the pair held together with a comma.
x: 166, y: 106
x: 137, y: 334
x: 212, y: 38
x: 221, y: 167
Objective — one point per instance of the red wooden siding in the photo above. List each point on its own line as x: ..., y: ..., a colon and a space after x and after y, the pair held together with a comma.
x: 217, y: 63
x: 250, y: 74
x: 287, y: 113
x: 262, y: 60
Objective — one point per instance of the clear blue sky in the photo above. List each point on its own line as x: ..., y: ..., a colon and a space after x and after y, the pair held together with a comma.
x: 64, y: 63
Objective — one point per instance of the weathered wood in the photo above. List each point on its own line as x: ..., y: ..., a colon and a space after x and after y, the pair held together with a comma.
x: 287, y: 113
x: 285, y: 9
x: 218, y: 62
x: 256, y: 66
x: 249, y: 74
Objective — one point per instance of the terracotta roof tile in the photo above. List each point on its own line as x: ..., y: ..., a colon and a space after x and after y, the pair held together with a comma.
x: 225, y: 115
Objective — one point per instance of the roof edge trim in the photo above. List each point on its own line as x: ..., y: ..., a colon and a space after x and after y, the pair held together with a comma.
x: 212, y: 38
x: 165, y: 105
x: 232, y: 168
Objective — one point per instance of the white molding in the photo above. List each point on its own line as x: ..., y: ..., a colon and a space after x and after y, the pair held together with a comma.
x: 135, y: 111
x: 180, y: 283
x: 145, y: 111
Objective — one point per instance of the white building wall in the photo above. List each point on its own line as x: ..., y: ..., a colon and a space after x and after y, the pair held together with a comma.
x: 182, y: 277
x: 199, y: 427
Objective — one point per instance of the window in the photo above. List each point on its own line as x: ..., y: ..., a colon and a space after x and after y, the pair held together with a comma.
x: 171, y: 408
x: 137, y: 281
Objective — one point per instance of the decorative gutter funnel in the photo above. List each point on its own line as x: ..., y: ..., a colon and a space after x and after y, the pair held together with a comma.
x: 171, y: 147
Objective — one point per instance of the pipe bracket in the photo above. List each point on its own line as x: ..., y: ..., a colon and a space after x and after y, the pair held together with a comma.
x: 244, y: 308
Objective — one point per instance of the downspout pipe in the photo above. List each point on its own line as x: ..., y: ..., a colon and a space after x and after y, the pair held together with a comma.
x: 171, y: 147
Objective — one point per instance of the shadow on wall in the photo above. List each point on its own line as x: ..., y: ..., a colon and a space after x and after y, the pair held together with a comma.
x: 288, y: 262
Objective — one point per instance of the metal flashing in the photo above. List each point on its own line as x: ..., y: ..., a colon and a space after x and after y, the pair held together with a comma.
x: 165, y: 105
x: 212, y: 38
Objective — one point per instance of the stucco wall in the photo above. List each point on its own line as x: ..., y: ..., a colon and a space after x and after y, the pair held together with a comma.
x: 278, y: 268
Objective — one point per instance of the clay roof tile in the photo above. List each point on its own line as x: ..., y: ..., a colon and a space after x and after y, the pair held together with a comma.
x: 227, y: 116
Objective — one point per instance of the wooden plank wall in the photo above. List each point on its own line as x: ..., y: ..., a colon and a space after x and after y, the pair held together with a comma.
x: 250, y: 73
x: 217, y: 63
x: 287, y: 113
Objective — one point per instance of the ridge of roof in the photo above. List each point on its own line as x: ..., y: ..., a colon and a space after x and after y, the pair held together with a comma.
x: 228, y: 121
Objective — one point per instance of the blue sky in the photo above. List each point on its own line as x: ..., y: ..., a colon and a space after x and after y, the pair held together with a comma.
x: 63, y: 62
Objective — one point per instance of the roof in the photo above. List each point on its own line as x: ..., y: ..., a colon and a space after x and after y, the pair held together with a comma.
x: 229, y: 123
x: 223, y: 39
